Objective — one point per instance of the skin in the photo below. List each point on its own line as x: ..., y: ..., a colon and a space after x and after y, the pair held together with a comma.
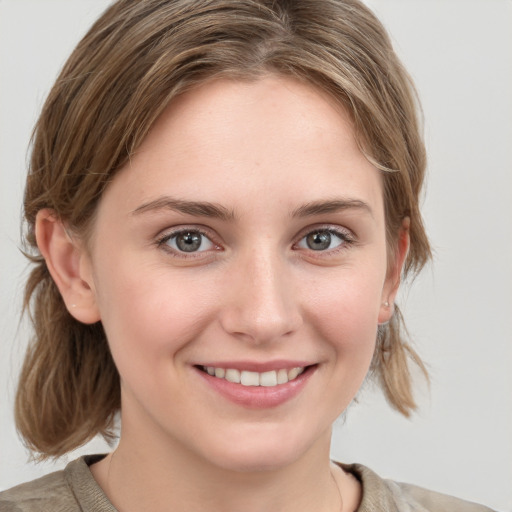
x: 262, y: 152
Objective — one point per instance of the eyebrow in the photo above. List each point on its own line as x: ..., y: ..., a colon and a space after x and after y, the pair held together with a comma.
x: 196, y: 208
x: 331, y: 206
x: 215, y: 210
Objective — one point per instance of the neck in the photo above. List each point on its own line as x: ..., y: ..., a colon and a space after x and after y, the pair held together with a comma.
x: 150, y: 478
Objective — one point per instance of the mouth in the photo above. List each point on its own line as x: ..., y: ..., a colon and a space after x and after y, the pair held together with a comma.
x: 274, y: 386
x: 268, y: 379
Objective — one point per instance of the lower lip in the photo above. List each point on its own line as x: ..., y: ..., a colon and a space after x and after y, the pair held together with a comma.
x: 258, y: 397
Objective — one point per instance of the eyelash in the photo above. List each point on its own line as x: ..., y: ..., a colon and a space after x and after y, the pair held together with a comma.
x: 166, y: 237
x: 345, y: 236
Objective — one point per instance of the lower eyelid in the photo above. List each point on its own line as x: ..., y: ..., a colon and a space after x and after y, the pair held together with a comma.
x: 346, y: 239
x: 162, y: 241
x: 345, y: 236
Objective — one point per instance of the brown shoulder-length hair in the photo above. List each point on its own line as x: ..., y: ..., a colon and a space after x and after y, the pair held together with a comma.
x: 135, y: 59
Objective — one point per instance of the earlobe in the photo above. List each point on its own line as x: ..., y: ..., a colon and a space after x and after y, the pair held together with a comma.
x: 68, y: 265
x: 393, y: 278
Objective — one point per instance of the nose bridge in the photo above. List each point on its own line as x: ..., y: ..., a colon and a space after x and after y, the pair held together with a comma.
x: 262, y: 306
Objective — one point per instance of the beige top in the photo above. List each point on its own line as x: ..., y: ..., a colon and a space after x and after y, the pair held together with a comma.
x: 75, y: 490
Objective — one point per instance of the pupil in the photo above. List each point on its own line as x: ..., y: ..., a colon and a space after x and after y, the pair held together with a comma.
x: 319, y: 241
x: 188, y: 242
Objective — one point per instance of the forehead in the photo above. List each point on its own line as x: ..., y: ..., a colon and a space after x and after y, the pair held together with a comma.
x: 253, y: 112
x: 273, y: 139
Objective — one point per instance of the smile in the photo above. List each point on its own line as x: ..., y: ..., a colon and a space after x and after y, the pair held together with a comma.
x: 247, y: 378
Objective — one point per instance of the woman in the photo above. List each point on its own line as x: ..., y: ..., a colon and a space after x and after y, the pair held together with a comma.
x: 222, y: 199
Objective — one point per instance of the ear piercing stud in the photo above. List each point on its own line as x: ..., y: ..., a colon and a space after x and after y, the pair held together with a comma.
x: 386, y: 304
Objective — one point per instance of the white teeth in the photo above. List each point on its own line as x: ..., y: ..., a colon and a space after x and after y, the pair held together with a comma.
x: 245, y: 378
x: 233, y: 375
x: 268, y: 379
x: 250, y: 378
x: 294, y: 373
x: 282, y: 377
x: 220, y: 372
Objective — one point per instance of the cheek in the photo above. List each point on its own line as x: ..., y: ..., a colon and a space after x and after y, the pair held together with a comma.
x: 149, y: 315
x: 346, y: 310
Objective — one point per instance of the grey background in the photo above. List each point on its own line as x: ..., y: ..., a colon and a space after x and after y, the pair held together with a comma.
x: 459, y: 310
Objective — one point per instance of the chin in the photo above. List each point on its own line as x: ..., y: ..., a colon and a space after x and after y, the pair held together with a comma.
x: 245, y: 462
x: 261, y: 452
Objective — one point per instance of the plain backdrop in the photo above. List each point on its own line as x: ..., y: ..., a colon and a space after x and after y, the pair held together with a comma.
x: 459, y: 310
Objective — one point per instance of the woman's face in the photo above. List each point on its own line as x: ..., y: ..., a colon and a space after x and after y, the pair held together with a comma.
x: 245, y: 238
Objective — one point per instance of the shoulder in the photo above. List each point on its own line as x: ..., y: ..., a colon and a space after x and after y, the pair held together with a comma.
x: 70, y: 490
x: 384, y: 495
x: 51, y: 492
x: 436, y: 502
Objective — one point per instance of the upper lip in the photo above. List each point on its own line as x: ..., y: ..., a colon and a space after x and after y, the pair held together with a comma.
x: 255, y: 366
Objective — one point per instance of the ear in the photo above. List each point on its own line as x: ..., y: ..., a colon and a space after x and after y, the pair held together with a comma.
x: 69, y: 265
x: 393, y: 277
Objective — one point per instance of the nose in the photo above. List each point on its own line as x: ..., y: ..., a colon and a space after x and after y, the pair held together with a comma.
x: 261, y: 304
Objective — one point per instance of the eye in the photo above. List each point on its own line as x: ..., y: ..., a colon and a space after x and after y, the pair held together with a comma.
x: 188, y: 241
x: 323, y: 240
